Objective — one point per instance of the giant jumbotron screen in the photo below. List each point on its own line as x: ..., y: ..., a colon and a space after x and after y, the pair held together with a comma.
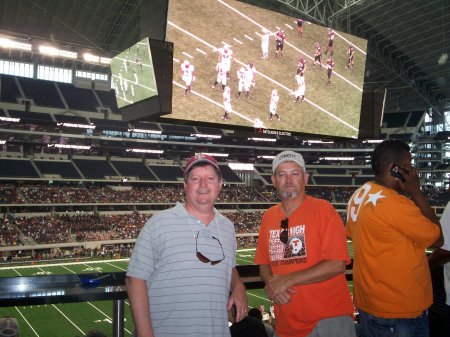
x: 206, y: 32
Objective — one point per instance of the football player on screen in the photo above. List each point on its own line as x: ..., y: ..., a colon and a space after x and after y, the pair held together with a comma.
x: 265, y: 37
x: 317, y: 55
x: 226, y: 102
x: 280, y: 38
x: 187, y: 75
x: 351, y: 56
x: 330, y: 42
x: 330, y: 66
x: 226, y: 58
x: 244, y: 83
x: 301, y: 87
x: 221, y: 76
x: 274, y: 98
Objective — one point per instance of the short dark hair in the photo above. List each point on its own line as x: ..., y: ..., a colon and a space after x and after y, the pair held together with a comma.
x: 388, y: 151
x: 188, y: 173
x: 255, y: 312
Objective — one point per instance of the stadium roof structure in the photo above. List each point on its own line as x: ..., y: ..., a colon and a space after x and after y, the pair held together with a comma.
x: 408, y: 40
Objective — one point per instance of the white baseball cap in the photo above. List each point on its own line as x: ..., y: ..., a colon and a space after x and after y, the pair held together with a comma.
x: 288, y: 156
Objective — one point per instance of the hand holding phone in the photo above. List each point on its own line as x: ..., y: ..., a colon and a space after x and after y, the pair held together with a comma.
x: 396, y: 173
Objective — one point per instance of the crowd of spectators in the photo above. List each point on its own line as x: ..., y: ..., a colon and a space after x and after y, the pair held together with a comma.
x: 16, y: 229
x: 148, y: 194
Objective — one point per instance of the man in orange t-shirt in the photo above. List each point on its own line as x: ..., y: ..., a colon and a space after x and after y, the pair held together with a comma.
x: 302, y: 255
x: 392, y: 284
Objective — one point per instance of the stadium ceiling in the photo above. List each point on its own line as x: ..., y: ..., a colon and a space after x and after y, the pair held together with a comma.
x: 406, y: 38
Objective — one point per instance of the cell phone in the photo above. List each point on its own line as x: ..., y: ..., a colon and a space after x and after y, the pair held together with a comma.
x: 395, y: 173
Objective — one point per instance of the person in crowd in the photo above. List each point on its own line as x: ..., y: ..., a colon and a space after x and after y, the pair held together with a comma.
x: 247, y: 327
x: 389, y: 231
x: 302, y: 255
x: 439, y: 262
x: 182, y: 277
x: 9, y: 327
x: 256, y: 313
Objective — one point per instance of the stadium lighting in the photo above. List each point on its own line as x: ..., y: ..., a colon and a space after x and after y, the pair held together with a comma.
x: 2, y: 142
x: 145, y: 131
x: 200, y: 135
x: 7, y: 43
x: 91, y: 58
x: 215, y: 154
x: 9, y: 119
x: 241, y: 167
x: 52, y: 51
x: 262, y: 139
x: 74, y: 125
x: 144, y: 151
x: 67, y: 146
x: 337, y: 158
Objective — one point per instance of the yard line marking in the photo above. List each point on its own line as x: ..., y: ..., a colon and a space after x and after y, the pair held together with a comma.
x: 201, y: 51
x: 62, y: 264
x: 69, y: 269
x: 186, y: 54
x: 261, y: 298
x: 245, y: 260
x: 115, y: 266
x: 240, y: 42
x: 26, y: 321
x: 289, y: 26
x: 16, y: 271
x: 104, y: 314
x: 76, y: 326
x: 248, y: 37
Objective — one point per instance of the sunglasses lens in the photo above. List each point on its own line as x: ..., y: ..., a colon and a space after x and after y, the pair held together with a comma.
x: 284, y: 236
x: 284, y: 233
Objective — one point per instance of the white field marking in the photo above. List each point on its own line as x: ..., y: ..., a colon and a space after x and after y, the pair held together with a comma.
x: 16, y: 271
x: 261, y: 74
x: 356, y: 47
x: 247, y: 249
x: 245, y: 260
x: 215, y: 103
x: 289, y: 26
x: 289, y: 44
x: 331, y: 115
x: 261, y: 298
x: 76, y: 326
x: 176, y: 60
x: 64, y: 264
x: 68, y: 269
x: 238, y: 41
x: 45, y: 272
x: 104, y: 314
x: 225, y: 44
x: 248, y: 37
x: 115, y: 266
x: 26, y: 321
x: 187, y: 55
x: 201, y: 51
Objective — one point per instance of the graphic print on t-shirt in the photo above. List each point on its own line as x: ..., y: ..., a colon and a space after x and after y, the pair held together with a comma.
x: 293, y: 251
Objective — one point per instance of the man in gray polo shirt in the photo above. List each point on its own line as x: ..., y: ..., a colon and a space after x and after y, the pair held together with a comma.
x: 182, y: 270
